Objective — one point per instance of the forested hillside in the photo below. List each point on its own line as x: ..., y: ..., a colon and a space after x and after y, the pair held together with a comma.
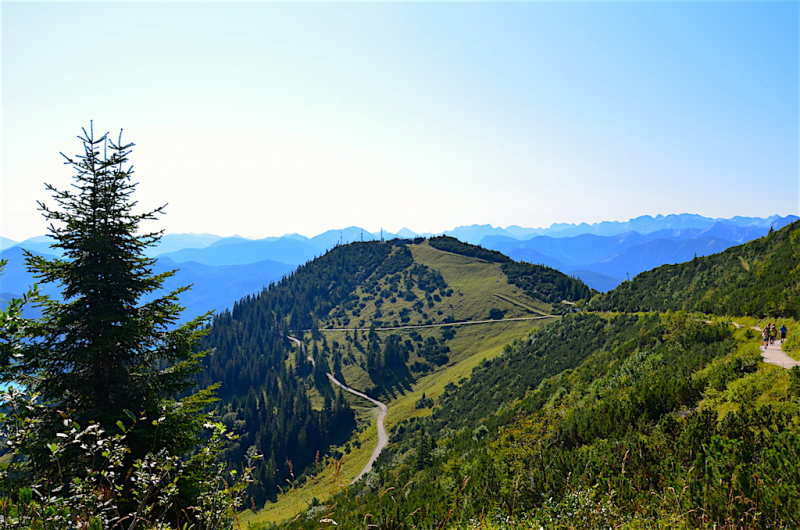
x: 647, y: 419
x: 285, y: 408
x: 761, y: 277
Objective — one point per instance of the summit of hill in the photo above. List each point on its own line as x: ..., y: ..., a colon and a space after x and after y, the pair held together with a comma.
x: 385, y: 318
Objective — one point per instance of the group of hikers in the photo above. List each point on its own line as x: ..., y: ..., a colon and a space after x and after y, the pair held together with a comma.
x: 770, y: 334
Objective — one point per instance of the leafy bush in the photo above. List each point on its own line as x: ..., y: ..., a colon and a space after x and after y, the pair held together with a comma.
x: 150, y: 492
x: 496, y: 314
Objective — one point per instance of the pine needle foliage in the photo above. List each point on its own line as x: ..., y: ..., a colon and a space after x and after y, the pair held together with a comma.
x: 101, y: 352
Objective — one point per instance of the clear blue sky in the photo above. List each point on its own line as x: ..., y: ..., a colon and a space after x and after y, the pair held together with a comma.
x: 262, y: 118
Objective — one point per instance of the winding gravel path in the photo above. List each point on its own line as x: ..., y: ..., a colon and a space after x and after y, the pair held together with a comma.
x: 383, y: 436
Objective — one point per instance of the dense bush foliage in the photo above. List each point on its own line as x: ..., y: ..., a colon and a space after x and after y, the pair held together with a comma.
x: 617, y: 434
x: 113, y: 492
x: 453, y: 245
x: 759, y: 278
x: 524, y: 366
x: 545, y: 283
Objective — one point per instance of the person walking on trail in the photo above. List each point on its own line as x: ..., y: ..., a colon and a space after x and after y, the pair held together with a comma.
x: 765, y: 336
x: 773, y: 334
x: 783, y: 332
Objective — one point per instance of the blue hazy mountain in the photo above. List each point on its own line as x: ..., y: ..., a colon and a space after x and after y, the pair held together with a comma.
x: 234, y: 240
x: 647, y: 224
x: 39, y: 245
x: 722, y: 230
x: 530, y: 255
x: 520, y: 232
x: 214, y: 288
x: 327, y: 240
x: 218, y: 288
x: 590, y: 248
x: 297, y: 237
x: 474, y: 234
x: 168, y: 243
x: 643, y: 225
x: 597, y: 281
x: 175, y: 242
x: 6, y: 243
x: 293, y: 249
x: 405, y: 233
x: 616, y: 256
x: 640, y: 258
x: 282, y: 250
x: 571, y: 251
x: 775, y: 221
x: 15, y: 278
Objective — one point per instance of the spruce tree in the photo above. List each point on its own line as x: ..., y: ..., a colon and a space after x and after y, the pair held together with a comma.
x: 102, y: 353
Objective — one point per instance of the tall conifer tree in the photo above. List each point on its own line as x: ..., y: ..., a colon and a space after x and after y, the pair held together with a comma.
x: 102, y: 351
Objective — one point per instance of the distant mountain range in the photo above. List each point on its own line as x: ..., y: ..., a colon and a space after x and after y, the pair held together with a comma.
x: 760, y: 277
x: 604, y: 261
x: 213, y: 288
x: 225, y: 269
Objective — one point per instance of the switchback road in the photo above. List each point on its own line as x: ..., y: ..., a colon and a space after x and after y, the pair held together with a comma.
x: 383, y: 437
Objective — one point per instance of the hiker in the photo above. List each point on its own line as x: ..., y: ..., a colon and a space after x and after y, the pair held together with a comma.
x: 773, y: 334
x: 765, y: 336
x: 783, y: 333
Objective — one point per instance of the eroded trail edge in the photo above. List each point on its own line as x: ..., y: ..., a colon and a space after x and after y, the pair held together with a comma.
x: 383, y: 437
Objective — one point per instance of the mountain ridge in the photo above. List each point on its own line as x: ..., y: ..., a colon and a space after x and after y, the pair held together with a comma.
x: 758, y: 277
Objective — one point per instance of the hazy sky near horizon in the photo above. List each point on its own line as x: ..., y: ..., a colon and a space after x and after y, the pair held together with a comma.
x: 265, y: 118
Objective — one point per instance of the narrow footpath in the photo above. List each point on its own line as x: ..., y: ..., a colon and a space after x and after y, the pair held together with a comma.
x: 772, y: 354
x: 383, y: 437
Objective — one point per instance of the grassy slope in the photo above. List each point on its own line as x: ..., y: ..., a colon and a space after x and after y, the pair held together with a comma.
x: 475, y: 284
